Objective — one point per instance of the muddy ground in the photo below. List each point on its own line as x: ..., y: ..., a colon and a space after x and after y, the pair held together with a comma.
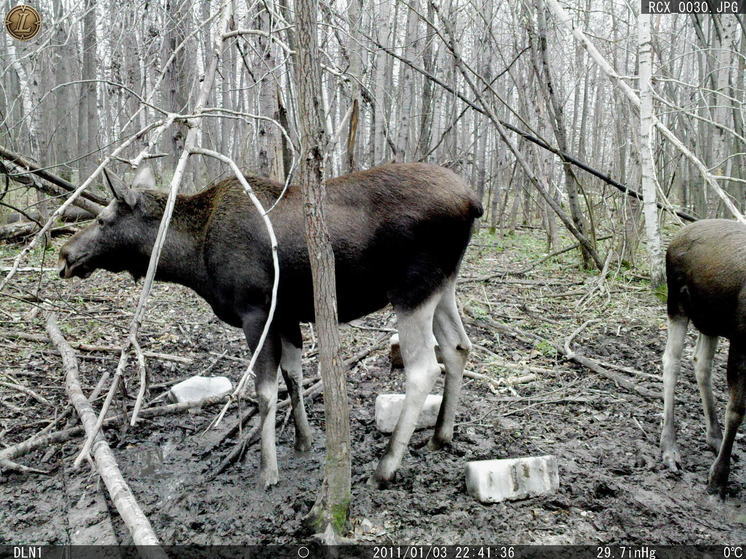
x: 612, y: 486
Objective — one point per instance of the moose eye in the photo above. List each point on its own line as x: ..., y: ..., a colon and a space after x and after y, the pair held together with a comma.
x: 99, y: 221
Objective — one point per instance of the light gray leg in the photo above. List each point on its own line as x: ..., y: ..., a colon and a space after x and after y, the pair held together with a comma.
x: 671, y: 367
x: 703, y: 356
x: 266, y: 392
x: 292, y: 372
x: 266, y: 368
x: 421, y: 368
x: 454, y: 347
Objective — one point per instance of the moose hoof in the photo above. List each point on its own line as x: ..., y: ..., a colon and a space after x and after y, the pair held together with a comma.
x: 436, y: 444
x: 714, y: 443
x: 672, y: 459
x: 376, y: 483
x: 718, y: 481
x: 268, y: 479
x: 302, y: 446
x: 719, y: 491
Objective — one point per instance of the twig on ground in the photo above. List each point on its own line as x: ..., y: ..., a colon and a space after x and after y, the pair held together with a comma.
x: 568, y: 352
x: 143, y: 381
x: 27, y: 391
x: 42, y: 440
x: 7, y: 464
x: 531, y: 339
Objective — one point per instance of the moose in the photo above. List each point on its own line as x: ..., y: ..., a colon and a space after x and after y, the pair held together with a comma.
x: 706, y: 272
x: 398, y: 232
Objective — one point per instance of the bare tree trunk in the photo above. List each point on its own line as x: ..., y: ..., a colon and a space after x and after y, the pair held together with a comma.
x: 332, y: 505
x: 426, y: 112
x: 176, y: 85
x: 269, y: 147
x: 406, y: 84
x: 650, y: 210
x: 557, y: 119
x: 87, y: 121
x: 381, y: 86
x: 355, y: 71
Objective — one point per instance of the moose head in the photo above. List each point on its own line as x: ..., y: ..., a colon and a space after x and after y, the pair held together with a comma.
x: 116, y: 240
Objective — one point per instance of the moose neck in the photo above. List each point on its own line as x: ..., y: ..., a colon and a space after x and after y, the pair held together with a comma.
x: 182, y: 259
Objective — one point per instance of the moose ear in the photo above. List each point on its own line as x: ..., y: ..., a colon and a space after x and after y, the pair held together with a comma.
x: 144, y: 178
x: 114, y: 191
x: 130, y: 197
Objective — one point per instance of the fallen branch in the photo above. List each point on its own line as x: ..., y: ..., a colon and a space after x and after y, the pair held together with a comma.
x: 530, y: 338
x: 123, y: 499
x: 27, y: 391
x: 96, y: 348
x: 28, y: 174
x: 42, y: 440
x: 7, y: 464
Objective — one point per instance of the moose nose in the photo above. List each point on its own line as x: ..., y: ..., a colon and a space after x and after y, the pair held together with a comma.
x: 62, y: 261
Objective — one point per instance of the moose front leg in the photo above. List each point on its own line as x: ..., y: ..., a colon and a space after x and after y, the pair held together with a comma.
x: 265, y: 369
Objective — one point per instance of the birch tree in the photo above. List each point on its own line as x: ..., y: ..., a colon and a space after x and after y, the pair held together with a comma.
x: 650, y: 210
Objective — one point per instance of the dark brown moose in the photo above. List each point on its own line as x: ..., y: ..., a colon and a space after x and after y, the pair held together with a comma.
x: 398, y: 232
x: 706, y: 272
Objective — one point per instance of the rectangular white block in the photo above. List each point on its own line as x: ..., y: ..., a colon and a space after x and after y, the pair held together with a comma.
x: 197, y: 388
x: 389, y: 406
x: 492, y: 481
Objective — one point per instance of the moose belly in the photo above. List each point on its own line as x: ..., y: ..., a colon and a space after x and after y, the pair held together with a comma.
x: 357, y: 295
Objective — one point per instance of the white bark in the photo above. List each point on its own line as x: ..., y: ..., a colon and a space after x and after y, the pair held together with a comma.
x: 629, y: 93
x: 647, y: 167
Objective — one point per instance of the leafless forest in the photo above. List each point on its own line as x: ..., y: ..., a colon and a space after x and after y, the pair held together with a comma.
x: 590, y: 132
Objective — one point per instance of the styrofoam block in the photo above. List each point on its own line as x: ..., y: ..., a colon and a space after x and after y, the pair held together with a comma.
x: 492, y: 481
x: 395, y: 353
x: 389, y: 406
x: 197, y: 388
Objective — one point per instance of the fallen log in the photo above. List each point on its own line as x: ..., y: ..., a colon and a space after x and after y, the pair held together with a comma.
x: 28, y: 171
x: 120, y: 493
x: 26, y: 228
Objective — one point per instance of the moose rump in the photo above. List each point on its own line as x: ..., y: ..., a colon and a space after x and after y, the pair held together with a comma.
x: 398, y: 233
x: 706, y: 274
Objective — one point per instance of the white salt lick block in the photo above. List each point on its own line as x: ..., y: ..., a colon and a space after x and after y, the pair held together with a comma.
x: 197, y: 388
x: 389, y: 406
x: 492, y: 481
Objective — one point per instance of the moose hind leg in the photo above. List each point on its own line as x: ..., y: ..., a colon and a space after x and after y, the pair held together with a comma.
x: 454, y: 347
x: 718, y: 480
x: 671, y: 367
x: 292, y: 372
x: 421, y: 368
x: 703, y: 356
